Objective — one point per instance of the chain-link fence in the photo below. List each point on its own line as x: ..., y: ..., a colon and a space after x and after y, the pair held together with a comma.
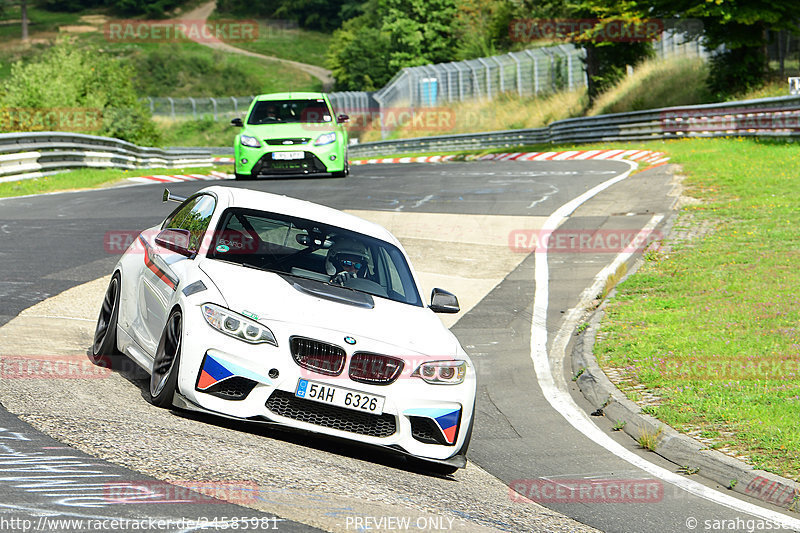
x: 534, y: 71
x: 526, y: 73
x: 221, y: 107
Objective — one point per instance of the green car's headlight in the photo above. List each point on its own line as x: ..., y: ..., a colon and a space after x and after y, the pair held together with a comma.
x: 325, y: 138
x: 252, y: 142
x: 237, y: 326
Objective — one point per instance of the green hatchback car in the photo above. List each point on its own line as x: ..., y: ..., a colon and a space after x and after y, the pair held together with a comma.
x: 290, y: 133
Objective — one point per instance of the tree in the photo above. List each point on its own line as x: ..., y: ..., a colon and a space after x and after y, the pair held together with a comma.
x: 391, y: 34
x: 606, y: 60
x: 736, y: 28
x: 356, y: 67
x: 67, y: 80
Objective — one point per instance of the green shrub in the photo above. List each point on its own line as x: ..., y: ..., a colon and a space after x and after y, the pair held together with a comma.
x: 64, y: 78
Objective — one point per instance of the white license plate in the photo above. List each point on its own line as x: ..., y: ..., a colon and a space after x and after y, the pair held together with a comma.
x: 339, y: 396
x: 288, y: 155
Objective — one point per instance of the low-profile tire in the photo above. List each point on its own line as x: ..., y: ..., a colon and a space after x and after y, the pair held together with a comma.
x: 104, y: 347
x: 343, y: 173
x: 164, y: 376
x: 345, y: 170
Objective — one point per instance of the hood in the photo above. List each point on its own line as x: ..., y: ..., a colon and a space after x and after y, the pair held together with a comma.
x: 273, y: 298
x: 283, y: 130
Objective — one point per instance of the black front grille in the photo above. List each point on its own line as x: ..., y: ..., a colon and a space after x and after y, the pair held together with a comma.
x: 317, y: 356
x: 425, y: 430
x: 330, y: 416
x: 267, y: 165
x: 287, y: 142
x: 235, y: 388
x: 374, y: 369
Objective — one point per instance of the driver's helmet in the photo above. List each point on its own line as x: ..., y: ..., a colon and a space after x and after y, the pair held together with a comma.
x: 347, y: 255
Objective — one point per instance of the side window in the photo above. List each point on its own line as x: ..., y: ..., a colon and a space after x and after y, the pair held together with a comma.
x: 394, y: 282
x: 194, y: 216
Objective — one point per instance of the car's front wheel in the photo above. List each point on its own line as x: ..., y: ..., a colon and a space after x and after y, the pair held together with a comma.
x: 164, y: 377
x: 105, y: 333
x: 243, y: 177
x: 343, y: 173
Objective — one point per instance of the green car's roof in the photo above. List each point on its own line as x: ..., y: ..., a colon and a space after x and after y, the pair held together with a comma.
x: 290, y: 96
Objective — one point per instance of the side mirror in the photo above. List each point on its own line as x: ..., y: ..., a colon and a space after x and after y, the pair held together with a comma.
x: 169, y: 197
x: 342, y: 118
x: 176, y: 240
x: 444, y: 302
x: 237, y: 122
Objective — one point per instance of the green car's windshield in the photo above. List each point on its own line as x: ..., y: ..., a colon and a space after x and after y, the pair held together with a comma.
x: 313, y: 111
x: 314, y: 251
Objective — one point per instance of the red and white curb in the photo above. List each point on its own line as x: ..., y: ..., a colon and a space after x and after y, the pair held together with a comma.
x: 222, y: 160
x: 170, y: 178
x: 428, y: 159
x: 640, y: 156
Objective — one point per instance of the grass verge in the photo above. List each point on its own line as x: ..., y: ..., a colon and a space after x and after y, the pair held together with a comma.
x: 710, y: 326
x: 87, y: 178
x: 201, y: 132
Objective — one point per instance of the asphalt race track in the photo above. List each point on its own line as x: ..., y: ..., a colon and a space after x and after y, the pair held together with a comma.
x: 64, y: 442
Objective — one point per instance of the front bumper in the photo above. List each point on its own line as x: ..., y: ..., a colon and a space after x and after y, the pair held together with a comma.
x: 258, y: 383
x: 261, y: 161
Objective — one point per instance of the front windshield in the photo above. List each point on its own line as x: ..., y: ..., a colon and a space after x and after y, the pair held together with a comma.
x: 290, y: 111
x: 315, y: 251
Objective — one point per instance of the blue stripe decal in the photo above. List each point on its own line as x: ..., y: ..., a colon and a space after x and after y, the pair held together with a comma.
x: 234, y: 369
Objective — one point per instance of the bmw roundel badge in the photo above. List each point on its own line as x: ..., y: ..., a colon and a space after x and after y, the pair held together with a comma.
x: 349, y: 340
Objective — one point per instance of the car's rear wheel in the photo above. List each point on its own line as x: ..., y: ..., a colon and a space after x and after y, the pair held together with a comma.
x: 104, y: 346
x: 164, y: 377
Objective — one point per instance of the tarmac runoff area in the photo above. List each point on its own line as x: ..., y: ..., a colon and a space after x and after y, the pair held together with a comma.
x: 318, y: 482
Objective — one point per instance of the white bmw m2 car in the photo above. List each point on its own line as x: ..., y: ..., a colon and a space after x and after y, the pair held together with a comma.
x: 268, y: 308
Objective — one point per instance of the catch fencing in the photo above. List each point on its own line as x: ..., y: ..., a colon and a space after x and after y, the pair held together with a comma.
x: 765, y: 117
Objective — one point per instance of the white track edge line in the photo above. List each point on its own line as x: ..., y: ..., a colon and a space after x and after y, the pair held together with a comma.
x: 563, y: 403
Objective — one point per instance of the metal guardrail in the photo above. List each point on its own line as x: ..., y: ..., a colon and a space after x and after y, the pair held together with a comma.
x: 765, y: 117
x: 30, y: 155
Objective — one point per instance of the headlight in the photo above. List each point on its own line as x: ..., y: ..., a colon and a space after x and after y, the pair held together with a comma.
x: 252, y: 142
x: 325, y: 138
x: 238, y: 326
x: 442, y: 372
